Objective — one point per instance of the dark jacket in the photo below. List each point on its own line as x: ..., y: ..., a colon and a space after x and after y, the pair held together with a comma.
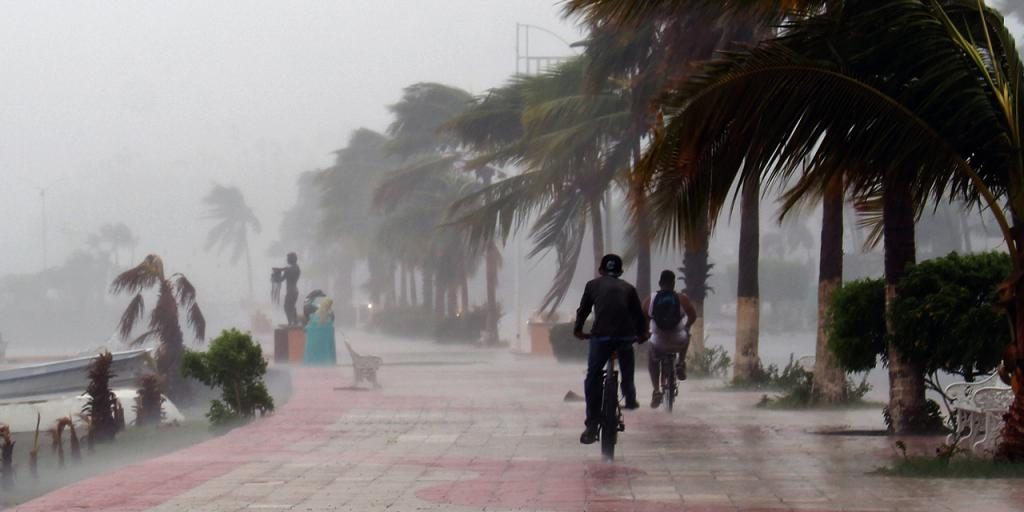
x: 617, y: 309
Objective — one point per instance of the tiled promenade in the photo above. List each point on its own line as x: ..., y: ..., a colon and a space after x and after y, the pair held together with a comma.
x: 492, y: 433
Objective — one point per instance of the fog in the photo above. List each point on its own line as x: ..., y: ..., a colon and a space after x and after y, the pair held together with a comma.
x: 130, y: 111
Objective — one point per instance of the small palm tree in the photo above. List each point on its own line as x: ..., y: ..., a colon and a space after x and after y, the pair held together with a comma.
x: 173, y: 292
x: 234, y: 222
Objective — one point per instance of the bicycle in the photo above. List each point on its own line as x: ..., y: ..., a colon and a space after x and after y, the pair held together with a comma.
x: 669, y: 384
x: 611, y: 410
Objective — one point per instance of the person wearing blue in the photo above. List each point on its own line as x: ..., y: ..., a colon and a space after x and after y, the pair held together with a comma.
x: 619, y: 321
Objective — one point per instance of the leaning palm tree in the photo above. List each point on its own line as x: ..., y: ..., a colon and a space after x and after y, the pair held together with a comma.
x: 570, y: 147
x: 175, y: 296
x: 234, y: 220
x: 907, y: 101
x: 689, y: 31
x: 345, y: 193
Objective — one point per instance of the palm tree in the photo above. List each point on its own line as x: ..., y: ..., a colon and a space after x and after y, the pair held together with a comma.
x: 569, y: 145
x: 112, y: 238
x: 234, y: 220
x: 344, y: 200
x: 427, y: 153
x: 172, y: 292
x: 896, y: 98
x: 689, y: 31
x: 415, y: 204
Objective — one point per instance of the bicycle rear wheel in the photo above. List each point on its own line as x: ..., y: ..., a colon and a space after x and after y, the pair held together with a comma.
x: 610, y: 415
x: 668, y: 379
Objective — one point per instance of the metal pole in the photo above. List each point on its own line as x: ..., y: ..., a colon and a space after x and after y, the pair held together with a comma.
x: 527, y: 49
x: 42, y: 202
x: 517, y: 47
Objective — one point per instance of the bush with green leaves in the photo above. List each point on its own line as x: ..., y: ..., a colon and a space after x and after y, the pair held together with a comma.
x: 789, y: 377
x: 946, y: 314
x: 235, y: 364
x: 944, y: 317
x: 856, y: 324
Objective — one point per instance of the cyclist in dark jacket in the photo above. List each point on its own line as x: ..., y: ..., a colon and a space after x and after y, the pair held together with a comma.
x: 619, y: 321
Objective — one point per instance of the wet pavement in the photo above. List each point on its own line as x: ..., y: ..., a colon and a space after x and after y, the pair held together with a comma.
x: 459, y: 429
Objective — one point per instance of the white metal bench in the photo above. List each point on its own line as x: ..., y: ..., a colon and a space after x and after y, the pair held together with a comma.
x: 364, y: 367
x: 979, y: 407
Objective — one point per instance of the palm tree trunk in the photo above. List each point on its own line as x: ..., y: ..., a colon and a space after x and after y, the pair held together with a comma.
x: 403, y: 286
x: 248, y: 267
x: 464, y: 292
x: 493, y: 260
x: 440, y: 292
x: 373, y: 265
x: 598, y: 233
x: 906, y: 377
x: 343, y: 288
x: 412, y: 286
x: 392, y: 291
x: 748, y: 307
x: 1011, y: 447
x: 829, y: 380
x: 453, y: 299
x: 696, y: 271
x: 428, y: 288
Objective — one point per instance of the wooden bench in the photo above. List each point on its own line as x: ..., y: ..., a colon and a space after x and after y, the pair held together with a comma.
x: 978, y: 409
x: 364, y: 367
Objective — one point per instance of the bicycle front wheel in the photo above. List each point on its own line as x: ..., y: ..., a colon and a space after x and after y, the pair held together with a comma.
x: 610, y: 416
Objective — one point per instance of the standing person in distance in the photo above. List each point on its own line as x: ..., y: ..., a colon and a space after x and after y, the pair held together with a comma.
x: 619, y: 321
x: 672, y: 314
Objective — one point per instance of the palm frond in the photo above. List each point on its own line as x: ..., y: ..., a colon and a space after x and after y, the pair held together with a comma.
x: 568, y: 247
x: 419, y: 116
x: 493, y: 120
x: 185, y: 291
x: 500, y: 209
x: 134, y: 311
x: 407, y: 180
x: 637, y: 14
x: 197, y: 321
x: 808, y: 98
x: 143, y: 338
x: 147, y: 274
x: 164, y: 316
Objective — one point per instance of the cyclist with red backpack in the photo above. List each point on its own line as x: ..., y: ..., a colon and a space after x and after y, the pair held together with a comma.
x: 672, y: 314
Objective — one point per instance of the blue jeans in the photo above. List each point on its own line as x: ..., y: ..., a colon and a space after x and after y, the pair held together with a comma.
x: 601, y: 349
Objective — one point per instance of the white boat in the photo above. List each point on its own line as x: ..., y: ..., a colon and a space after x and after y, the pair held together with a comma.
x: 21, y: 414
x: 70, y: 375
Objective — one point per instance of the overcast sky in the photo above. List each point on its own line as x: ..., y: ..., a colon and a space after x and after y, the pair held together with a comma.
x: 129, y: 111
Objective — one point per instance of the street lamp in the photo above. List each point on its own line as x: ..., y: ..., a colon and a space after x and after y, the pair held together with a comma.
x: 523, y: 67
x: 42, y: 209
